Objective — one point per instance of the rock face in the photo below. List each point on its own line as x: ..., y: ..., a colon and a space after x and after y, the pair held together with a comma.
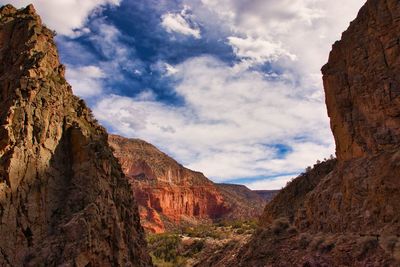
x: 344, y: 212
x: 244, y: 203
x: 362, y: 83
x: 170, y: 195
x: 64, y: 200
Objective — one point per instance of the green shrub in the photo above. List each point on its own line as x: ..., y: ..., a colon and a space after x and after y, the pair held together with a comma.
x: 165, y: 247
x: 202, y: 231
x: 194, y: 248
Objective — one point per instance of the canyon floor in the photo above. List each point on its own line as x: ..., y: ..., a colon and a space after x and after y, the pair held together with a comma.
x: 192, y: 245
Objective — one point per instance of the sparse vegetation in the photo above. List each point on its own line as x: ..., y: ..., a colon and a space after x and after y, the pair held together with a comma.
x: 178, y: 249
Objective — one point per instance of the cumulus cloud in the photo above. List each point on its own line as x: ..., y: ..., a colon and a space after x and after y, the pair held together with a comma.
x: 304, y: 29
x: 85, y: 80
x: 233, y: 116
x: 227, y: 122
x: 63, y: 16
x: 180, y: 23
x: 258, y: 50
x: 275, y: 183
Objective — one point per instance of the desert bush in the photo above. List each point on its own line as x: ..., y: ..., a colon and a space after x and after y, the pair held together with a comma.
x: 317, y: 242
x: 202, y: 231
x: 304, y: 240
x: 165, y: 247
x: 194, y: 248
x: 279, y: 225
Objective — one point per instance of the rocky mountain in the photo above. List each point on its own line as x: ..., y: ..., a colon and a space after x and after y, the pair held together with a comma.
x: 170, y: 195
x: 267, y: 195
x: 344, y: 212
x: 64, y: 200
x: 244, y: 202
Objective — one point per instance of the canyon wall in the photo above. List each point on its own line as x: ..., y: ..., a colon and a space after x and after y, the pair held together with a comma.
x: 170, y: 195
x: 64, y: 200
x: 344, y: 212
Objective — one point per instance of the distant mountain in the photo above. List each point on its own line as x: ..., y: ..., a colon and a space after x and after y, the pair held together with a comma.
x: 267, y: 195
x: 170, y: 195
x: 242, y: 200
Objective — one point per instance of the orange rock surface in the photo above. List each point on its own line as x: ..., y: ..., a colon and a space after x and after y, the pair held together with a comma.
x: 171, y: 195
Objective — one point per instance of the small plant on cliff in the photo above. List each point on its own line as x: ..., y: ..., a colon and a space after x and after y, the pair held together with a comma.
x: 279, y: 226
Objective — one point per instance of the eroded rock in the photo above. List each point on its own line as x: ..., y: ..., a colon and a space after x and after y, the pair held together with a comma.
x: 63, y: 197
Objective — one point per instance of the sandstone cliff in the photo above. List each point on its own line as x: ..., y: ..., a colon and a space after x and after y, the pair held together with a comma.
x: 170, y: 195
x: 63, y: 197
x: 345, y: 212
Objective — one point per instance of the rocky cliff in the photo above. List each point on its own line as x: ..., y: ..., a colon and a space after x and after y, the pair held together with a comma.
x: 64, y: 200
x: 170, y: 195
x: 344, y: 212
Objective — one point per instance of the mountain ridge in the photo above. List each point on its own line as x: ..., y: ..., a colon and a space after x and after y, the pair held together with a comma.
x: 171, y: 195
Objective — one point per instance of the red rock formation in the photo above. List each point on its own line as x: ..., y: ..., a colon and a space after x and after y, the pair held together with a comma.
x: 64, y: 200
x: 345, y: 212
x: 170, y: 194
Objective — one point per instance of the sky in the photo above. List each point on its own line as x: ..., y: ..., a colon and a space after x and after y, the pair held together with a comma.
x: 231, y: 88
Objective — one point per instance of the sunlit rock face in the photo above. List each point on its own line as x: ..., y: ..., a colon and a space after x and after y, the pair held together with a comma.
x: 64, y: 200
x: 170, y: 195
x: 344, y: 212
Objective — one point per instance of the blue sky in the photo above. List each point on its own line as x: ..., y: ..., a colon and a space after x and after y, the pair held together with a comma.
x: 231, y: 88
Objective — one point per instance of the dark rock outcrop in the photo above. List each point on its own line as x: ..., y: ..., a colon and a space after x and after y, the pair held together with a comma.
x: 170, y: 195
x: 64, y: 200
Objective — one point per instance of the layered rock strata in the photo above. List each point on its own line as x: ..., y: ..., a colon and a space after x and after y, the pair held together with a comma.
x: 171, y: 195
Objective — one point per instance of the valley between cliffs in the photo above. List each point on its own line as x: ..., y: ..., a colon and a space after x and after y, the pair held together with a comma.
x: 72, y: 195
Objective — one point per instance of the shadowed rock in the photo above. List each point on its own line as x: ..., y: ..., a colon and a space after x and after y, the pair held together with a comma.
x: 63, y: 197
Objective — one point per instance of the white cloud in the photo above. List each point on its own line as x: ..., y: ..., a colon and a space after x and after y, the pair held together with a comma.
x: 227, y: 123
x: 231, y: 116
x: 305, y: 29
x: 63, y: 15
x: 180, y: 23
x: 258, y: 50
x: 86, y: 80
x: 275, y: 183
